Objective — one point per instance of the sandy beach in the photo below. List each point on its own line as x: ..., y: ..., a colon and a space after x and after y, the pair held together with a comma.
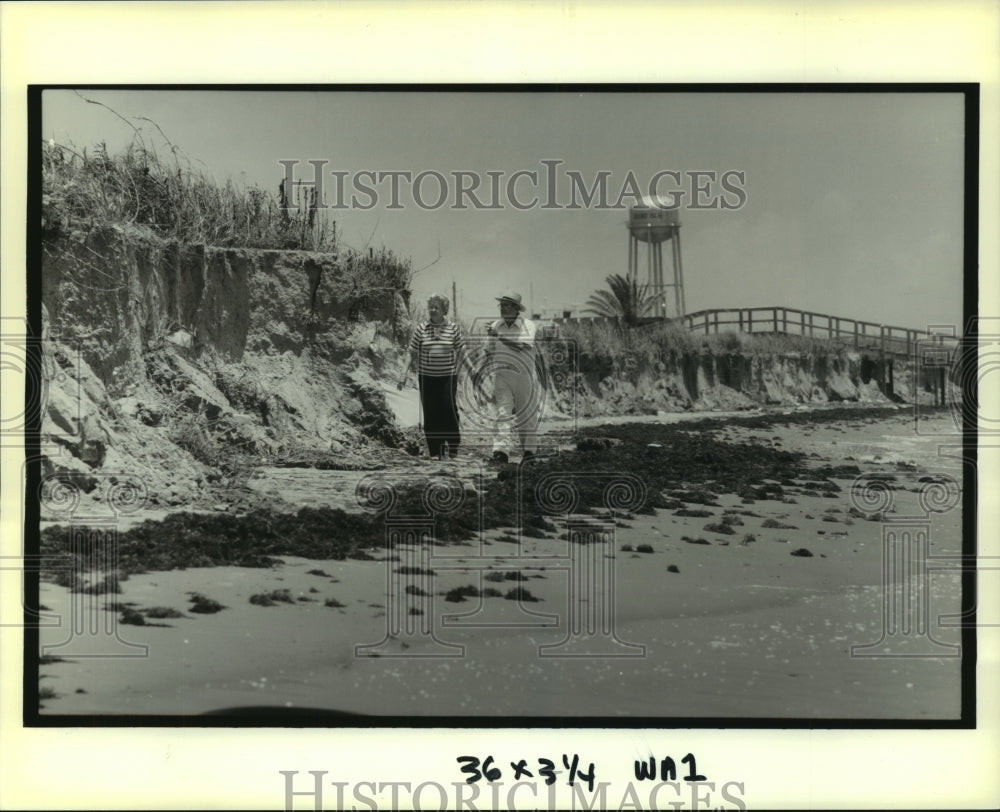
x: 757, y: 622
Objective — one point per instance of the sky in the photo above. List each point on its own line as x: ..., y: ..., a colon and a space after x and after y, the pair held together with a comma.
x: 847, y: 204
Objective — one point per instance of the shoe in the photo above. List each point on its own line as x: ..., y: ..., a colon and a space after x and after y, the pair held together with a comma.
x: 500, y: 457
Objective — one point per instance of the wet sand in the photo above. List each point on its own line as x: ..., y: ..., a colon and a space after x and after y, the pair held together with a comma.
x: 741, y: 629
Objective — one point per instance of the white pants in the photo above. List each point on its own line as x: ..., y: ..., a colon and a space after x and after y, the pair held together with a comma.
x: 518, y: 399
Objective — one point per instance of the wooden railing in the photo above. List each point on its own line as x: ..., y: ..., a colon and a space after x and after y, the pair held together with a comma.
x: 788, y: 321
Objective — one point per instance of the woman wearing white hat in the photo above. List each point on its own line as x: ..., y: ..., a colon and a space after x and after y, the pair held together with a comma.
x: 519, y: 390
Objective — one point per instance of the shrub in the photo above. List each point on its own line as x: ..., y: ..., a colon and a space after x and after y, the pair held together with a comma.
x: 171, y: 199
x: 644, y: 548
x: 333, y: 603
x: 664, y: 342
x: 718, y: 527
x: 190, y: 432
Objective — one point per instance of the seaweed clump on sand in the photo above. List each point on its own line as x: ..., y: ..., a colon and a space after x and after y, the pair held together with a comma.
x: 676, y: 466
x: 807, y: 417
x: 683, y: 456
x: 184, y: 540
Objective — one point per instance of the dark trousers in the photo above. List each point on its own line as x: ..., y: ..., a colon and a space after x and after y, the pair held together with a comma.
x: 438, y: 399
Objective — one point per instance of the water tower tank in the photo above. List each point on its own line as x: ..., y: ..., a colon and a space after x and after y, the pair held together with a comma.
x: 654, y: 220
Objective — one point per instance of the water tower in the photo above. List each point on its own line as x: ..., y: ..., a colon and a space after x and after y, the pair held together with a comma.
x: 655, y: 222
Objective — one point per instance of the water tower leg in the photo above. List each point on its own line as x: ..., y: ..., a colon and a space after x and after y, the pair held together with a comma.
x: 653, y: 283
x: 650, y: 273
x: 678, y: 273
x: 661, y: 305
x: 663, y: 285
x: 632, y: 269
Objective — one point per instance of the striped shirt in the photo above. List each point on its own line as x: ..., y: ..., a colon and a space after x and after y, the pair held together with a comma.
x: 439, y: 347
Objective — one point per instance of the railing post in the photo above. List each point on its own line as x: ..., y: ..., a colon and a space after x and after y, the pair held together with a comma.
x: 810, y: 325
x: 802, y: 323
x: 774, y: 316
x: 784, y: 320
x: 716, y: 322
x: 741, y: 319
x: 855, y: 335
x: 881, y: 336
x: 749, y: 320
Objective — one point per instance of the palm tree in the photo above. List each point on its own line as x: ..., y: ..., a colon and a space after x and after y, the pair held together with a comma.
x: 626, y: 301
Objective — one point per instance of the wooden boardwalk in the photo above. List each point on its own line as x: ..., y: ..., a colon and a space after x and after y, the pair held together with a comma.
x: 863, y: 335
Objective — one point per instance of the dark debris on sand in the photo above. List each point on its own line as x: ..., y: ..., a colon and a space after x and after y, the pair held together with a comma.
x: 691, y: 466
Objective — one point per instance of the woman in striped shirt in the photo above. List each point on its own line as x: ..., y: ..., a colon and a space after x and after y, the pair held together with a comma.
x: 436, y: 350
